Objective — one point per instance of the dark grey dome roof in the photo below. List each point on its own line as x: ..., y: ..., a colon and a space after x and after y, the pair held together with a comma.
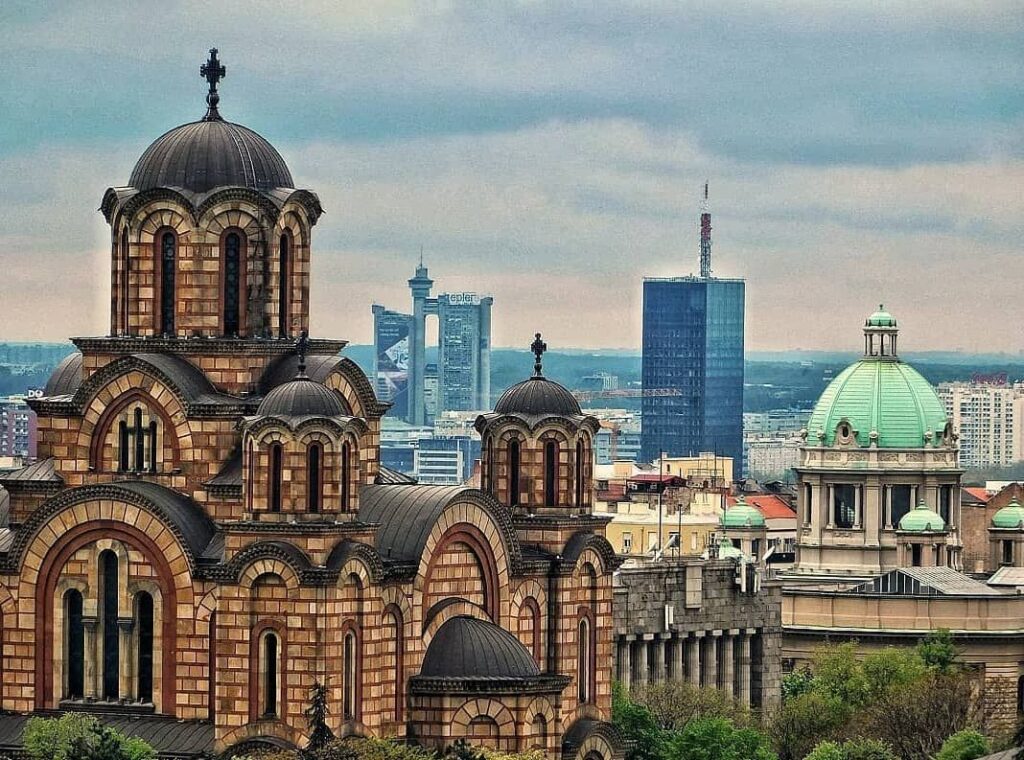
x: 466, y: 647
x: 67, y: 377
x: 203, y: 155
x: 538, y: 395
x: 302, y: 397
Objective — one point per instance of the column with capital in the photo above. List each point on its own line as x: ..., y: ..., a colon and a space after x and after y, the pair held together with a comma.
x: 625, y: 662
x: 676, y: 658
x: 659, y: 659
x: 93, y: 655
x: 126, y: 660
x: 693, y: 645
x: 744, y: 695
x: 711, y: 659
x: 728, y: 674
x: 642, y: 667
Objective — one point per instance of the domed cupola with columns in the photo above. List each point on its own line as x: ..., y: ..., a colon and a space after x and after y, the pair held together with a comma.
x: 301, y: 452
x: 877, y: 443
x: 537, y: 451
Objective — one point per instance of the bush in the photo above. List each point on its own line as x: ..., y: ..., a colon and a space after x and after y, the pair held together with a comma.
x: 826, y: 751
x: 964, y: 745
x: 674, y: 704
x: 717, y: 739
x: 855, y: 749
x: 805, y: 721
x: 76, y: 736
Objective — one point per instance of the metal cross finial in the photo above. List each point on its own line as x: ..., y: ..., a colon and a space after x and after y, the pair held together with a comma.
x: 301, y: 346
x: 538, y: 347
x: 213, y: 71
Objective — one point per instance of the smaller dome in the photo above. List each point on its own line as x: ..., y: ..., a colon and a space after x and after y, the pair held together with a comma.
x: 881, y: 318
x: 538, y: 395
x: 742, y: 515
x: 726, y: 550
x: 465, y: 647
x: 302, y: 397
x: 922, y: 519
x: 67, y: 377
x: 1010, y: 516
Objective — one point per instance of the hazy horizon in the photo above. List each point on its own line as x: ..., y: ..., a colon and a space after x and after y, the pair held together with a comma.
x: 553, y: 155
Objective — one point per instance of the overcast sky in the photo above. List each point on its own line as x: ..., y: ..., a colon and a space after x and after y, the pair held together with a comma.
x: 552, y: 154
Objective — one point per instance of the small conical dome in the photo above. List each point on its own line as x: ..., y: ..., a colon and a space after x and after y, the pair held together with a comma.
x: 922, y: 519
x: 1010, y: 516
x: 742, y: 515
x: 881, y: 318
x: 302, y: 397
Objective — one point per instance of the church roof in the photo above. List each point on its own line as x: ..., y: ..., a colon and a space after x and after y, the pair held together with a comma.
x: 468, y: 648
x: 924, y: 581
x: 406, y: 514
x: 538, y: 396
x: 66, y: 378
x: 302, y: 397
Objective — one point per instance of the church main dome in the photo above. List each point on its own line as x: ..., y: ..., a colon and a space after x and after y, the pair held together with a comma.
x: 878, y: 399
x: 211, y: 153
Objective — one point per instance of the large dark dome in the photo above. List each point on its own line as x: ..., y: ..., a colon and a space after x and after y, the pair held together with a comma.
x: 302, y: 398
x: 465, y: 647
x: 538, y: 395
x: 208, y: 154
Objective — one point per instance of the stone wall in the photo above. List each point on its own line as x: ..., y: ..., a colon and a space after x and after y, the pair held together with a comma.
x: 690, y: 620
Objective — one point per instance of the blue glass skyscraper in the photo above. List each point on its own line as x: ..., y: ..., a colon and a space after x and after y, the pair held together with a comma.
x: 693, y: 367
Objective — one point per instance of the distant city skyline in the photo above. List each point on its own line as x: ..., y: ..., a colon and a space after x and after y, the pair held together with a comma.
x: 554, y: 155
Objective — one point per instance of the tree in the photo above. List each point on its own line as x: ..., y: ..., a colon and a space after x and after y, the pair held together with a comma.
x: 717, y: 739
x: 806, y: 720
x: 854, y: 749
x: 938, y: 651
x: 827, y: 751
x: 75, y: 736
x: 320, y: 733
x: 638, y: 727
x: 964, y: 745
x: 839, y: 674
x: 673, y: 704
x: 891, y: 667
x: 796, y: 683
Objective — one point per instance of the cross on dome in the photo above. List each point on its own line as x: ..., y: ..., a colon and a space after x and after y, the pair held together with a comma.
x: 538, y: 347
x: 212, y: 71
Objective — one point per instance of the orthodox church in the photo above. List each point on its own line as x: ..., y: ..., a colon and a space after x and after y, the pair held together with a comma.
x: 208, y: 531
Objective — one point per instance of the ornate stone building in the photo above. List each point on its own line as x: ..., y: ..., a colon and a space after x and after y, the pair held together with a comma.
x: 208, y: 531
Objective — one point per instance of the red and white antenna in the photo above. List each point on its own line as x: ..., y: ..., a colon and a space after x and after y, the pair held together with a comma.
x: 705, y: 235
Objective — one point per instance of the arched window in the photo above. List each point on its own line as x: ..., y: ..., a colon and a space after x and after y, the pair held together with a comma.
x: 393, y: 636
x: 168, y: 266
x: 346, y: 475
x: 351, y: 675
x: 269, y: 672
x: 123, y: 448
x: 540, y: 732
x: 232, y: 278
x: 110, y: 635
x: 513, y: 473
x: 125, y: 269
x: 144, y: 626
x: 315, y: 482
x: 530, y: 628
x: 250, y: 481
x: 284, y: 279
x: 74, y: 647
x: 276, y: 466
x: 585, y: 666
x: 579, y: 473
x: 550, y: 473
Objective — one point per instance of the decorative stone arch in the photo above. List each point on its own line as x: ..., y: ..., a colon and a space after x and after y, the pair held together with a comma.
x: 444, y: 611
x: 540, y: 706
x: 239, y: 199
x: 470, y: 525
x: 170, y: 211
x: 259, y: 736
x: 475, y: 709
x: 533, y: 596
x: 346, y: 378
x: 144, y: 390
x: 218, y: 219
x: 593, y: 740
x: 588, y: 547
x: 294, y: 219
x: 347, y: 551
x: 257, y: 568
x: 84, y: 524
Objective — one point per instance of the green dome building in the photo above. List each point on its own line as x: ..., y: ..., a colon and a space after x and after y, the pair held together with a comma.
x: 877, y: 442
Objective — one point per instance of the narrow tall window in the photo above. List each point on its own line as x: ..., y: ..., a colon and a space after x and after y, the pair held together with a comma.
x: 393, y: 634
x: 152, y: 446
x: 284, y: 276
x: 144, y: 625
x: 140, y: 442
x: 550, y: 474
x: 232, y: 283
x: 351, y: 674
x: 315, y: 482
x: 346, y: 470
x: 584, y: 666
x: 276, y: 465
x: 125, y: 269
x: 75, y: 646
x: 110, y: 635
x: 579, y: 473
x: 513, y: 473
x: 251, y: 480
x: 123, y: 447
x: 168, y: 265
x: 270, y: 647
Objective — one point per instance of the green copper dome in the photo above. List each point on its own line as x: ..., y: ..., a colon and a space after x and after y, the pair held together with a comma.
x: 1010, y: 516
x: 879, y: 399
x: 742, y: 515
x: 921, y: 519
x: 727, y: 551
x: 881, y: 318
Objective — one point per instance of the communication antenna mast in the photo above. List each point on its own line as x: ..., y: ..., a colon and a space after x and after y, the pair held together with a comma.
x: 705, y: 235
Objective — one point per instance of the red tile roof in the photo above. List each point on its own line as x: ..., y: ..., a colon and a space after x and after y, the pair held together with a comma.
x: 978, y: 493
x: 769, y: 505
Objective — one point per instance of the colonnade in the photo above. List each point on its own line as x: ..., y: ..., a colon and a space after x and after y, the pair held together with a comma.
x: 727, y: 659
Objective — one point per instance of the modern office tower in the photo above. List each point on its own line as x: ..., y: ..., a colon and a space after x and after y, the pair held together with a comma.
x: 464, y: 357
x: 461, y: 379
x: 692, y: 376
x: 391, y: 332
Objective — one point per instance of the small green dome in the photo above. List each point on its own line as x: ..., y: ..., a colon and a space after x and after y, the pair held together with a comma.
x: 881, y: 318
x: 742, y: 515
x: 727, y: 551
x: 1010, y: 516
x: 888, y: 398
x: 921, y: 519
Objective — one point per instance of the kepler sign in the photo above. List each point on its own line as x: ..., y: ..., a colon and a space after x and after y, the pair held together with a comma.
x: 463, y: 299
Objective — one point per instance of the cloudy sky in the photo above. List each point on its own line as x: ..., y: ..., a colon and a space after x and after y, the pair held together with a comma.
x: 552, y: 154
